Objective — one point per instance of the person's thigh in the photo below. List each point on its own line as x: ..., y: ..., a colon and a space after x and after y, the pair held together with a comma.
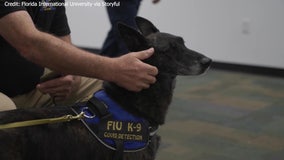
x: 36, y: 99
x: 86, y: 90
x: 6, y: 103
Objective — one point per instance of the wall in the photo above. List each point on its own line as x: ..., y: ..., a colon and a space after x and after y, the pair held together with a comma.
x: 234, y: 31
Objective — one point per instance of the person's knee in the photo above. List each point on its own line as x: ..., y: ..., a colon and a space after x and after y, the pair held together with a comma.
x: 6, y: 103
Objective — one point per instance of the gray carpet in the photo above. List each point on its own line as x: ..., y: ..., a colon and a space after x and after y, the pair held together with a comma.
x: 225, y: 116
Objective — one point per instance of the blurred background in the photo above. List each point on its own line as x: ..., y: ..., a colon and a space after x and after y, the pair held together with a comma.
x: 236, y: 110
x: 235, y: 31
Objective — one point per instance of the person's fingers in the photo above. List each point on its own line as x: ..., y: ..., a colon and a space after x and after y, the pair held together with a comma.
x: 146, y: 83
x: 151, y: 80
x: 145, y: 86
x: 136, y: 75
x: 153, y: 71
x: 141, y: 87
x: 144, y: 54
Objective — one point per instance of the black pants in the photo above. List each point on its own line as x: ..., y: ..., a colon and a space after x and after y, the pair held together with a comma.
x: 113, y: 45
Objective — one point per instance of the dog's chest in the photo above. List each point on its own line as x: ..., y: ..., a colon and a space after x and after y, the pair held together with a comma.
x: 114, y: 127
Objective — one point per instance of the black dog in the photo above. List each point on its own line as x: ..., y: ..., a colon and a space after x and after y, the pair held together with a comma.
x: 73, y: 140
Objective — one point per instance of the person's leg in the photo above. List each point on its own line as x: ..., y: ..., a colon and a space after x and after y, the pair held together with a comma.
x: 35, y: 98
x: 86, y: 90
x: 125, y: 13
x: 6, y: 103
x: 110, y: 46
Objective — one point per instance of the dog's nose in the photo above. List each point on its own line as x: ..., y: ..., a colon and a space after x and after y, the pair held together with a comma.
x: 205, y: 61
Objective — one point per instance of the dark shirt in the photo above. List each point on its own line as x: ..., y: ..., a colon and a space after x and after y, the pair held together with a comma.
x: 18, y: 75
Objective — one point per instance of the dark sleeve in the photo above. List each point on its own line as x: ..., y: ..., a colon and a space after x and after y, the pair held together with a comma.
x: 6, y: 8
x: 60, y: 25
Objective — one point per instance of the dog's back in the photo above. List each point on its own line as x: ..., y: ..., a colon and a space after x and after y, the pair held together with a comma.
x: 70, y: 140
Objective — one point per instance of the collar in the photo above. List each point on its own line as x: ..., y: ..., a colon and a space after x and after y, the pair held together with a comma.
x: 114, y: 127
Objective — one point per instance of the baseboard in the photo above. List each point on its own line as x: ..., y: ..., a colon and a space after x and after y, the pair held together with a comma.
x: 260, y: 70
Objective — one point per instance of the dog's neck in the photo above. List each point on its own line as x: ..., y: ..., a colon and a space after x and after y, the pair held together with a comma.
x: 151, y: 104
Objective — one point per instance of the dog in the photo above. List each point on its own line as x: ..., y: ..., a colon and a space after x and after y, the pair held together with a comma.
x: 77, y: 139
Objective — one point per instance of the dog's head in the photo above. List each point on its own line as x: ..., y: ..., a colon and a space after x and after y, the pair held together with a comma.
x: 171, y: 55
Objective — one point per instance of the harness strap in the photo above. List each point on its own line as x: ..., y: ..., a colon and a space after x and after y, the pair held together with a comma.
x: 118, y: 154
x: 114, y: 127
x: 100, y: 109
x: 97, y: 107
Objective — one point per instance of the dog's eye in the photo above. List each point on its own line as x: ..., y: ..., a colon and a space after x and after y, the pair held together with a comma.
x: 177, y: 43
x: 180, y: 40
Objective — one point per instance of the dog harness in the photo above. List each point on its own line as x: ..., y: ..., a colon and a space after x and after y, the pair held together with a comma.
x: 114, y: 127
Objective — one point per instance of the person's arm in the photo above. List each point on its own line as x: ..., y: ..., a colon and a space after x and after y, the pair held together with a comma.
x: 127, y: 71
x: 61, y: 86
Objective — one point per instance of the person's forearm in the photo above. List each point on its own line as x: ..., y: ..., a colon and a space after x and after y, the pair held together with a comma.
x: 127, y: 71
x: 50, y: 51
x: 66, y: 38
x: 61, y: 57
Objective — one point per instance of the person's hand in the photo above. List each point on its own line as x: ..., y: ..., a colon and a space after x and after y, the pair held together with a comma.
x: 155, y: 1
x: 60, y: 88
x: 133, y: 74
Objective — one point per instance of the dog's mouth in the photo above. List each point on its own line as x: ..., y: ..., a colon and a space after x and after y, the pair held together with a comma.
x: 199, y: 67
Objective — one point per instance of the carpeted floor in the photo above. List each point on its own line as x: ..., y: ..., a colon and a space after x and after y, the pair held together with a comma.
x: 225, y: 116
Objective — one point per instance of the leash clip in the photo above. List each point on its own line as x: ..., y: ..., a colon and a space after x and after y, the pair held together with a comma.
x: 85, y: 113
x: 77, y: 117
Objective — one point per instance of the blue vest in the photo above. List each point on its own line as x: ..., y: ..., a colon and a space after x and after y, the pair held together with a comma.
x: 112, y: 125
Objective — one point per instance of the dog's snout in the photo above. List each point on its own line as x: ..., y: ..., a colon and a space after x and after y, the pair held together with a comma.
x: 205, y: 61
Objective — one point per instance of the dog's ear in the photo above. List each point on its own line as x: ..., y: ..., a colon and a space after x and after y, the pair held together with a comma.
x: 145, y: 26
x: 133, y: 39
